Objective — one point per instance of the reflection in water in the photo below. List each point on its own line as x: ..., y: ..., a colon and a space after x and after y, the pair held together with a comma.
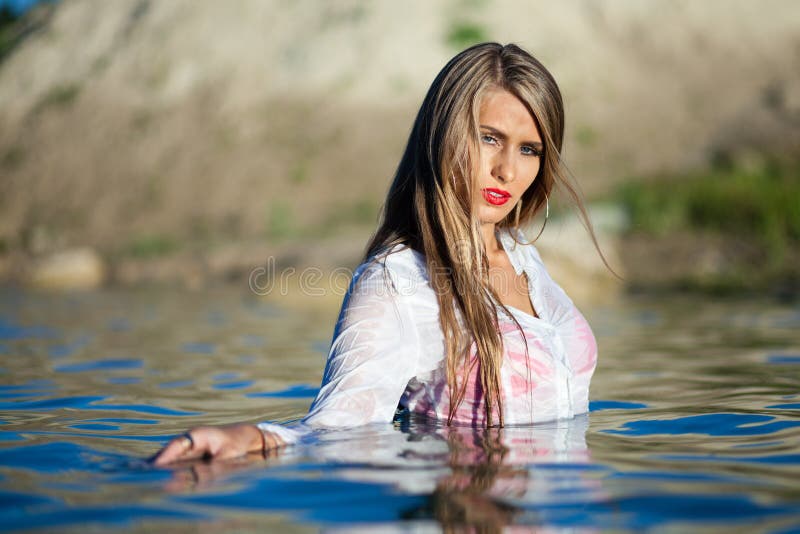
x: 463, y: 476
x: 492, y: 470
x: 421, y: 442
x: 469, y: 476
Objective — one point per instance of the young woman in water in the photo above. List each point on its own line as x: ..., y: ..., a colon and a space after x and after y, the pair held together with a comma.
x: 452, y: 314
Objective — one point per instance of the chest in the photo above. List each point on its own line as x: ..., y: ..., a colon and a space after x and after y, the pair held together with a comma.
x: 511, y: 288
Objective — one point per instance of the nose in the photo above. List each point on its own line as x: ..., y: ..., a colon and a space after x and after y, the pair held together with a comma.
x: 503, y: 167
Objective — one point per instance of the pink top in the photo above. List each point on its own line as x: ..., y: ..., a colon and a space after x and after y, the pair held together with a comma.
x: 388, y: 348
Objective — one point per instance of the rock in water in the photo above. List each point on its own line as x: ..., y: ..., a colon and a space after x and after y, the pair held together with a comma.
x: 80, y: 268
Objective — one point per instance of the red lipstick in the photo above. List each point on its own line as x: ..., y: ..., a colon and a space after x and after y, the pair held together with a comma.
x: 494, y: 196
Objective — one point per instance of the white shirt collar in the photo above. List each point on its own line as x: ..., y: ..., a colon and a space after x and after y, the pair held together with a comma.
x: 512, y: 247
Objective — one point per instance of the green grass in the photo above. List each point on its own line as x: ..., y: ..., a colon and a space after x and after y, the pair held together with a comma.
x: 359, y: 213
x: 60, y: 96
x: 12, y: 157
x: 279, y: 222
x: 299, y: 173
x: 761, y: 206
x: 152, y: 246
x: 586, y: 136
x: 464, y: 34
x: 282, y: 222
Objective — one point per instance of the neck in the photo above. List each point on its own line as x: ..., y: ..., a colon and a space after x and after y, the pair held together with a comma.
x: 490, y: 241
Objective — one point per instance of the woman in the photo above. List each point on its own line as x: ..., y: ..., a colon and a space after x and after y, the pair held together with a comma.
x: 452, y: 313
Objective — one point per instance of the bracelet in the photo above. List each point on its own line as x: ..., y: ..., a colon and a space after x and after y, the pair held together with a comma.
x: 263, y: 443
x: 275, y: 443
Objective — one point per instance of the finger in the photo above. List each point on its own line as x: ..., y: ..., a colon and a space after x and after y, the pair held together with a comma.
x: 168, y: 454
x: 184, y: 447
x: 171, y: 452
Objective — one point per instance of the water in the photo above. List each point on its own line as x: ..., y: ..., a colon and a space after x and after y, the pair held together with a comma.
x: 695, y: 424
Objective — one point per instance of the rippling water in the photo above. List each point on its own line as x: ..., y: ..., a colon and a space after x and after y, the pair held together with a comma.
x: 695, y: 424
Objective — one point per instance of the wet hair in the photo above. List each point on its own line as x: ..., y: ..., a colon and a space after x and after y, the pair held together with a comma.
x: 429, y: 203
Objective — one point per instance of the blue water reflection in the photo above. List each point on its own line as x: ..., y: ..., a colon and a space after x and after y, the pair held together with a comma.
x: 297, y: 391
x: 790, y: 406
x: 199, y: 348
x: 783, y: 359
x: 98, y: 365
x: 595, y: 406
x: 718, y: 424
x: 9, y: 330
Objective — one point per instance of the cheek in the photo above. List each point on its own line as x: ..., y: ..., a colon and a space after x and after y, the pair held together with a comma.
x: 484, y: 161
x: 482, y: 172
x: 531, y: 170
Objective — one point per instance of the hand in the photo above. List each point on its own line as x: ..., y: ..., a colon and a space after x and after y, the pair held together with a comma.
x: 217, y: 442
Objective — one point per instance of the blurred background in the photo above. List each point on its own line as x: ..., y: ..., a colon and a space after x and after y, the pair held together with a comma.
x: 185, y: 141
x: 155, y: 154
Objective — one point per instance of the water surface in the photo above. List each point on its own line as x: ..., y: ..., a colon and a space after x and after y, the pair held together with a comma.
x: 695, y: 424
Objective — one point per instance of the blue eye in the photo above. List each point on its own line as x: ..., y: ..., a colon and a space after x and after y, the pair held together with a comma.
x: 488, y: 139
x: 531, y: 151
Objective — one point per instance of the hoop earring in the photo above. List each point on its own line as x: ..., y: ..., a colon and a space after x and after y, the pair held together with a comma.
x: 546, y: 216
x: 547, y: 206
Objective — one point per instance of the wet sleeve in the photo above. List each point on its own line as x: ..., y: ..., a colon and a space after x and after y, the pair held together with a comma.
x: 373, y: 356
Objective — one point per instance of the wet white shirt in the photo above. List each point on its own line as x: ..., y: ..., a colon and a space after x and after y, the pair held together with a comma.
x: 388, y: 349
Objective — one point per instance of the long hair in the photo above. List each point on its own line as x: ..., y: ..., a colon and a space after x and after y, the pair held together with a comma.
x: 429, y: 203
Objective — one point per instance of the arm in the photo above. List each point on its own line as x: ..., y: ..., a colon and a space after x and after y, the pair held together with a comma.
x: 373, y: 356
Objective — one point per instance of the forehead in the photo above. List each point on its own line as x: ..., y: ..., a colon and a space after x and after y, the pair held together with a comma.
x: 502, y: 110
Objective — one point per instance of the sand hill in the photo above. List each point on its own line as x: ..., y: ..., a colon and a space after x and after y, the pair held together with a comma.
x: 139, y: 123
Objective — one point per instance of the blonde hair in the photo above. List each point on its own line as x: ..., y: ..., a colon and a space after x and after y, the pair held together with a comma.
x: 429, y: 203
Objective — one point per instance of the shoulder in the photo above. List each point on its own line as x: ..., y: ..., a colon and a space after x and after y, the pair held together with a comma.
x: 391, y: 286
x: 396, y: 270
x: 401, y: 263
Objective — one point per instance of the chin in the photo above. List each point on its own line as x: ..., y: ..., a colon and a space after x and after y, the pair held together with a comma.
x: 488, y: 215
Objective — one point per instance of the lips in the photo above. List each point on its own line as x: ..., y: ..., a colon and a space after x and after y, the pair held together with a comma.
x: 496, y: 197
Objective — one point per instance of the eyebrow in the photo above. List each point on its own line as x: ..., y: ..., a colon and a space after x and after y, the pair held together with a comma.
x: 501, y: 135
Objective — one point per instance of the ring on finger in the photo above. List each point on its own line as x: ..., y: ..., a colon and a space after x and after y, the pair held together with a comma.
x: 187, y: 442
